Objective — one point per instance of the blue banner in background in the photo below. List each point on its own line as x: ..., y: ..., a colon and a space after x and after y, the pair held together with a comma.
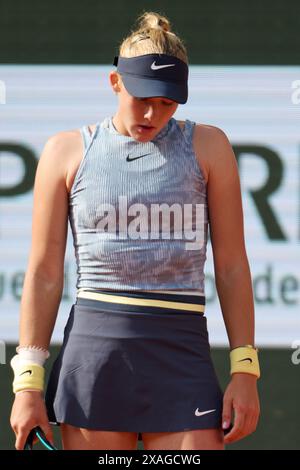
x: 259, y: 110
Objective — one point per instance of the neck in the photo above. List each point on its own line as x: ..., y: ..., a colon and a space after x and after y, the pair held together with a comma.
x: 119, y: 125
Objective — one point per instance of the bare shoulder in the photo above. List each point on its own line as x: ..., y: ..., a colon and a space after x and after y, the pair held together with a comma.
x: 211, y: 136
x: 208, y: 142
x: 69, y: 138
x: 212, y: 147
x: 66, y: 149
x: 62, y: 141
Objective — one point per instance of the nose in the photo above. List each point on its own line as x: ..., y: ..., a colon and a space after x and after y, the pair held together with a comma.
x: 148, y: 114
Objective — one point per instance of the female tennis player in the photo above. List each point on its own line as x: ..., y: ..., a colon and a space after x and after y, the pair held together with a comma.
x: 140, y: 190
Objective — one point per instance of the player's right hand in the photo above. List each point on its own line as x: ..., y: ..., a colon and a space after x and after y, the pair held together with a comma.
x: 29, y: 411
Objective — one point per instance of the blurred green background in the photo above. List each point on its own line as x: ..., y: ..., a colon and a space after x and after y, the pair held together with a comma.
x: 215, y: 32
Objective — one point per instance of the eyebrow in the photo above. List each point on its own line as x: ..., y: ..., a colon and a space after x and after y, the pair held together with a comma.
x: 160, y: 97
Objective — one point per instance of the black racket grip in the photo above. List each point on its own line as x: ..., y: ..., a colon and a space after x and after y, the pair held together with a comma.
x: 39, y: 433
x: 29, y: 441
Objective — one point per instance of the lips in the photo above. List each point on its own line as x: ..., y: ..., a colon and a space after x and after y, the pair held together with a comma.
x: 145, y: 129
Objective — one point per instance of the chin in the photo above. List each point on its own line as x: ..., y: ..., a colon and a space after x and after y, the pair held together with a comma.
x: 142, y: 139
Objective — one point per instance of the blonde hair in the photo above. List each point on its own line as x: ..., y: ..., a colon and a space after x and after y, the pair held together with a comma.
x: 153, y: 36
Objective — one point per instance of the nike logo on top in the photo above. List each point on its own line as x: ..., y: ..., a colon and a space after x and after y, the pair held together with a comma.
x: 156, y: 67
x: 201, y: 413
x: 128, y: 159
x: 26, y: 372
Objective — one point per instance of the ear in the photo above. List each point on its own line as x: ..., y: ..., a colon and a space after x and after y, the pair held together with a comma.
x: 115, y: 81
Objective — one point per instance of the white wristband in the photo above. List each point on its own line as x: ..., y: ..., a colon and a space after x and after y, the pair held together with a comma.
x: 31, y: 355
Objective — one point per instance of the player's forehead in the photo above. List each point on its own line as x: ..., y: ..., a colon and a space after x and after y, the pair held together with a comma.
x: 156, y: 98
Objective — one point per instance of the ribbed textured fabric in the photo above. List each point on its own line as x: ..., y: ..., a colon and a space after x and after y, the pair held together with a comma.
x: 165, y: 172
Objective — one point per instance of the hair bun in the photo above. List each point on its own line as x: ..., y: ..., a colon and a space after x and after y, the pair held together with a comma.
x: 152, y: 35
x: 152, y: 20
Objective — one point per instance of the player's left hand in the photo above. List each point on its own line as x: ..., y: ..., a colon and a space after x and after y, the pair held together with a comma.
x: 240, y: 399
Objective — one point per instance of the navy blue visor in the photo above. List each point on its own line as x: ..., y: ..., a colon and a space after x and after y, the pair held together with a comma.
x: 151, y: 75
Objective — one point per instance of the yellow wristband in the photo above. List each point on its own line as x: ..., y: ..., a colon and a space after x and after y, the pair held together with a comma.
x: 27, y: 376
x: 244, y: 359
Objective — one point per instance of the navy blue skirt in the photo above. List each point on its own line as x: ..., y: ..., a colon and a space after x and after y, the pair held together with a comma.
x: 132, y: 368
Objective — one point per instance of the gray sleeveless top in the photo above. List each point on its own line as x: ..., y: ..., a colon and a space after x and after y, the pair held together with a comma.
x: 138, y: 211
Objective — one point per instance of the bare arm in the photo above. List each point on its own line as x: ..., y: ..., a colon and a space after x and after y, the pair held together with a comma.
x: 232, y: 273
x: 233, y: 278
x: 43, y: 284
x: 44, y: 279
